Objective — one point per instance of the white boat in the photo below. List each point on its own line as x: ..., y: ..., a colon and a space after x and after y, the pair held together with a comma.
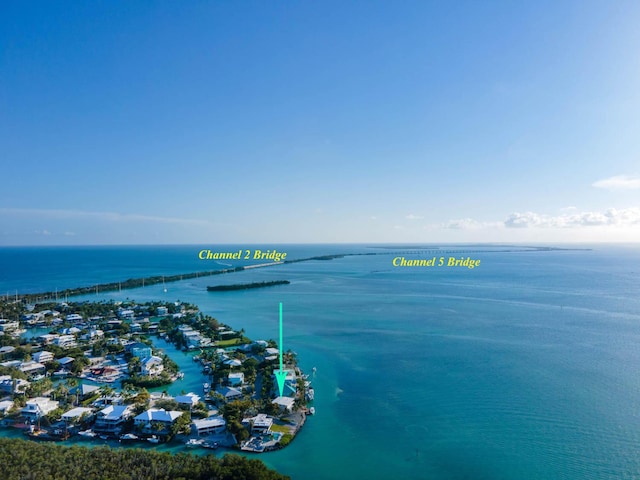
x: 153, y: 439
x: 194, y: 442
x: 206, y: 387
x: 88, y: 433
x: 312, y: 411
x: 128, y: 436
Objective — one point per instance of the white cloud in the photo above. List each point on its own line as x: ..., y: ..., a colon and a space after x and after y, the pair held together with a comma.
x: 411, y: 216
x: 611, y: 217
x: 463, y: 224
x: 523, y: 220
x: 619, y: 182
x: 108, y: 216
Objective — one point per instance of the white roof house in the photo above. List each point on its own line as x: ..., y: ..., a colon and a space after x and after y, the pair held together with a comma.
x: 285, y: 403
x: 32, y: 367
x: 43, y: 356
x: 111, y: 418
x: 207, y: 426
x: 261, y: 424
x: 76, y: 413
x: 233, y: 362
x: 190, y: 399
x: 152, y: 365
x: 157, y: 415
x: 38, y: 407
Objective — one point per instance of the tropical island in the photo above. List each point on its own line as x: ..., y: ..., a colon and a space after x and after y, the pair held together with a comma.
x: 88, y: 375
x: 246, y: 286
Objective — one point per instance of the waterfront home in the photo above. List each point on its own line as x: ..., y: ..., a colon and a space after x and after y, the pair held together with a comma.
x: 208, y: 426
x: 285, y: 403
x: 229, y: 393
x: 43, y: 357
x: 74, y: 317
x: 112, y: 418
x: 236, y: 378
x: 260, y: 424
x: 38, y: 407
x: 152, y: 366
x: 149, y: 420
x: 160, y: 311
x: 189, y: 400
x: 272, y: 351
x: 76, y: 414
x: 290, y: 384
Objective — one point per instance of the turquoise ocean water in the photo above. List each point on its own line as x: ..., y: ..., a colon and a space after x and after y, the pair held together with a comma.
x: 524, y: 368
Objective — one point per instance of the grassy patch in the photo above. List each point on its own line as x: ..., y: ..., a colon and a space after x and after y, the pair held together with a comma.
x: 280, y: 428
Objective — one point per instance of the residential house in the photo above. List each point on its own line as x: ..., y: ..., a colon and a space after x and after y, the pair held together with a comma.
x: 285, y: 403
x: 152, y: 366
x: 229, y: 393
x: 111, y: 419
x: 189, y: 400
x: 208, y: 426
x: 7, y: 350
x: 76, y: 414
x: 13, y: 385
x: 141, y: 351
x: 38, y: 407
x: 260, y: 424
x: 32, y: 368
x: 152, y: 419
x: 290, y: 384
x: 43, y: 356
x: 65, y: 341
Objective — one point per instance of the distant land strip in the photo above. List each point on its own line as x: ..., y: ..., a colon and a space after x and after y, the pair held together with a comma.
x: 246, y: 286
x: 157, y: 279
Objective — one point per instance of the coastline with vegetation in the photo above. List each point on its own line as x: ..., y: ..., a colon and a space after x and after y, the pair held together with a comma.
x: 44, y: 393
x: 246, y: 286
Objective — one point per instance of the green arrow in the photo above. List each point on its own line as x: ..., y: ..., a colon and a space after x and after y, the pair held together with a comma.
x: 281, y: 375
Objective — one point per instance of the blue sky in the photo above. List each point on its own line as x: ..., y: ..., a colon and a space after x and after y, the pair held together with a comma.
x: 220, y: 122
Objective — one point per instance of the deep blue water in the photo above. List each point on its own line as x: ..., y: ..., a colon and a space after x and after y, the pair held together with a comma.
x: 525, y: 367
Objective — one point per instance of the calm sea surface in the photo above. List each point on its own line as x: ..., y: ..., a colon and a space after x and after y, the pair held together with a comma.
x: 525, y: 367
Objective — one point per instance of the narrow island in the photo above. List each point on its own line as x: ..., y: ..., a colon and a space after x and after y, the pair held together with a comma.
x: 83, y: 369
x: 246, y: 286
